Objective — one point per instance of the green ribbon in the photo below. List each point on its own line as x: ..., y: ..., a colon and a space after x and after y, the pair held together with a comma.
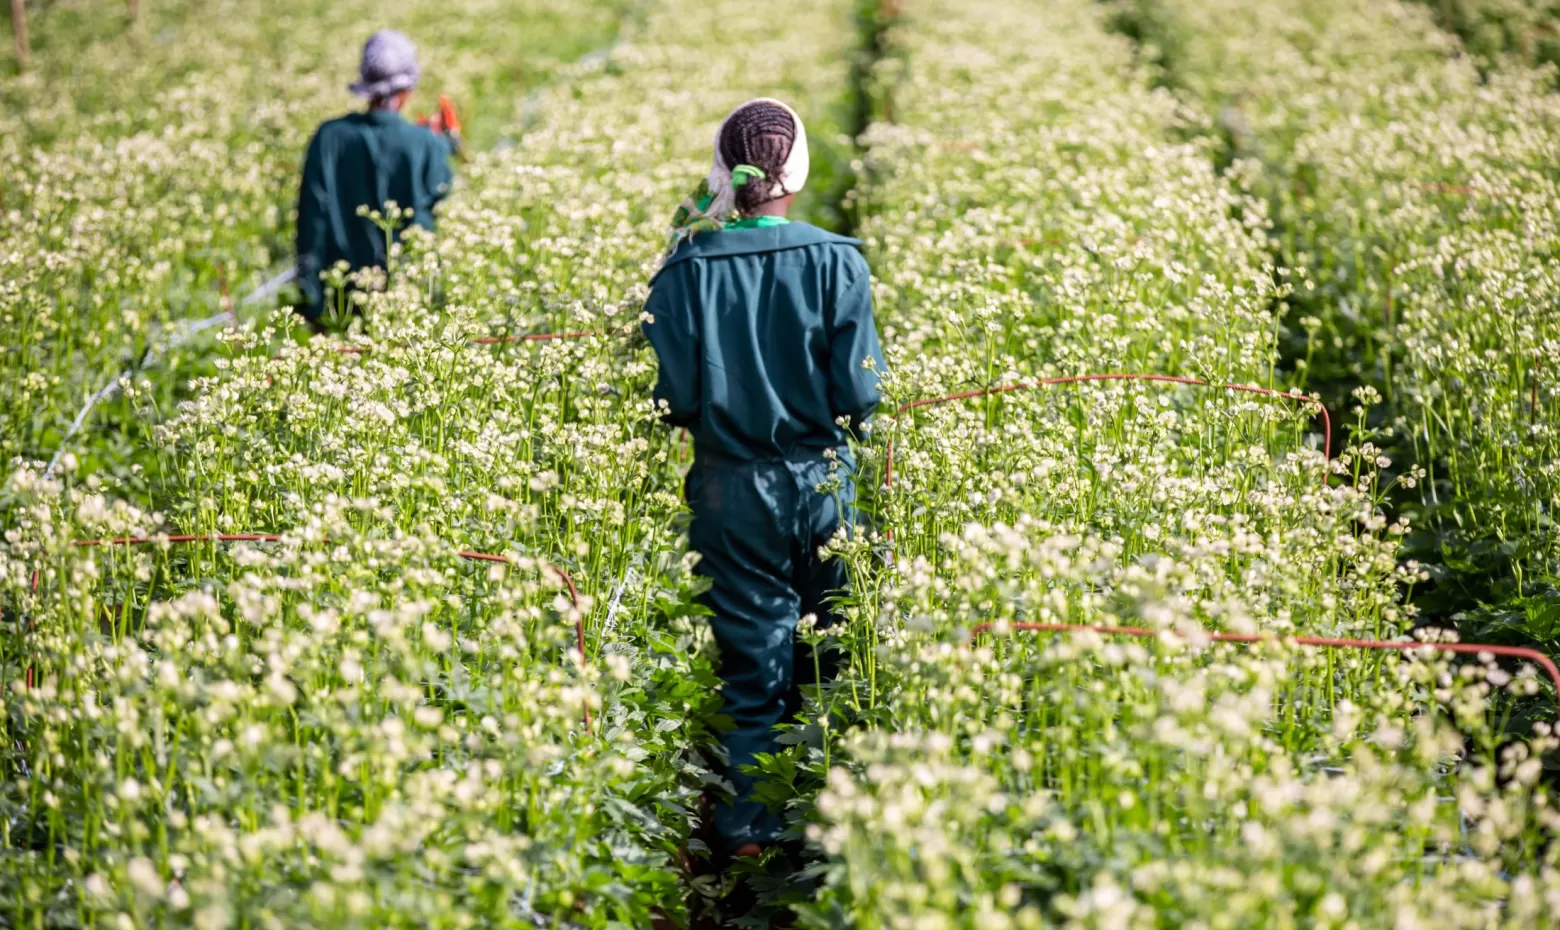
x: 741, y: 174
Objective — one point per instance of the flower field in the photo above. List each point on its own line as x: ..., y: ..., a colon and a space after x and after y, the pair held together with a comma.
x: 451, y: 673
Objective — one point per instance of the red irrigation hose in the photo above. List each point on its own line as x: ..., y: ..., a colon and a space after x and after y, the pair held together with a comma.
x: 888, y: 456
x: 548, y: 337
x: 146, y: 540
x: 574, y: 594
x: 1461, y: 189
x: 1514, y: 652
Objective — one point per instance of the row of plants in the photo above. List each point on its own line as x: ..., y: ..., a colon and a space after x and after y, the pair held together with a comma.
x: 1418, y: 192
x: 1494, y: 30
x: 356, y: 724
x: 1038, y: 209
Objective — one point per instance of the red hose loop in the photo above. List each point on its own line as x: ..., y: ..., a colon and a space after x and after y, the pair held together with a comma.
x: 1514, y: 652
x: 1463, y: 190
x: 549, y: 337
x: 888, y: 456
x: 147, y: 540
x: 568, y: 581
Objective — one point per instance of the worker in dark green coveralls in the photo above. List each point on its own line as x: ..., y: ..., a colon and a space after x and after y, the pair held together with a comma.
x: 769, y: 356
x: 367, y: 160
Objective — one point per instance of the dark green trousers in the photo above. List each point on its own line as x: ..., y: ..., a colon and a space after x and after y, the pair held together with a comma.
x: 757, y: 527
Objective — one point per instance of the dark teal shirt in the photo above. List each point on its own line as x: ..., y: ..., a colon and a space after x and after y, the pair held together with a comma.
x: 763, y: 336
x: 363, y: 160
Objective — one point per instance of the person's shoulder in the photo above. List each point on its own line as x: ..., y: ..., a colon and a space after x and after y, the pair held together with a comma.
x: 816, y: 236
x: 843, y: 248
x: 421, y: 138
x: 845, y: 251
x: 346, y: 122
x: 406, y: 127
x: 673, y: 272
x: 339, y: 128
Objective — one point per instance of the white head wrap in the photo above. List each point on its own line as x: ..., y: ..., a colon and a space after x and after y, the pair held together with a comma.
x: 389, y: 66
x: 792, y: 179
x: 710, y: 206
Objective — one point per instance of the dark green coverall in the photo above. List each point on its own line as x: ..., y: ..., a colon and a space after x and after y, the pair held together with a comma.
x: 762, y: 336
x: 363, y: 160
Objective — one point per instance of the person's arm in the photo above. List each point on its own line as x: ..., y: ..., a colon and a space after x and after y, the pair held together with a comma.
x: 853, y: 345
x: 675, y: 338
x: 313, y: 227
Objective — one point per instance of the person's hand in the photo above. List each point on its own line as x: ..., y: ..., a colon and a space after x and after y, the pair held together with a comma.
x: 447, y: 118
x: 446, y: 121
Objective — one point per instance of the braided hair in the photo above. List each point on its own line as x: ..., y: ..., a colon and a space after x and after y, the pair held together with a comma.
x: 760, y: 134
